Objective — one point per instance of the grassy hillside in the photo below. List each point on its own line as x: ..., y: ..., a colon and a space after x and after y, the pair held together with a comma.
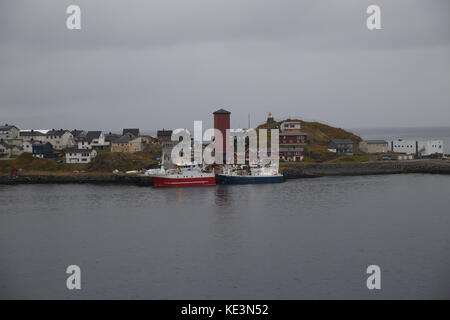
x: 318, y: 136
x: 109, y: 161
x: 104, y: 162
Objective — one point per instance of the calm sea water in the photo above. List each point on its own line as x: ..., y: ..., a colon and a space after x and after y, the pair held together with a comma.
x: 389, y: 134
x: 310, y: 238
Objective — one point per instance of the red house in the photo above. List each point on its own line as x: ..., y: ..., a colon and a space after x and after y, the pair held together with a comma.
x: 293, y: 139
x: 291, y: 154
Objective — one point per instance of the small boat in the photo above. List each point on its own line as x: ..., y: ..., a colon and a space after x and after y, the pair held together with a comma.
x: 188, y: 175
x: 256, y: 175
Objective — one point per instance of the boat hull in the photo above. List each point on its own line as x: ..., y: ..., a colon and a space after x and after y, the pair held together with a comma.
x: 164, y: 182
x: 231, y: 179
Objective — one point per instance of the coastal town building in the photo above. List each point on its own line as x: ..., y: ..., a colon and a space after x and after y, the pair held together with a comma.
x: 291, y: 154
x: 43, y: 150
x: 9, y: 132
x: 35, y: 135
x: 374, y: 146
x: 78, y: 135
x: 110, y: 137
x: 163, y: 135
x: 166, y: 158
x: 27, y: 146
x: 418, y: 148
x: 60, y: 139
x: 341, y: 146
x: 80, y: 155
x: 292, y: 138
x: 127, y: 144
x: 5, y: 151
x: 291, y: 126
x: 133, y: 132
x: 93, y: 140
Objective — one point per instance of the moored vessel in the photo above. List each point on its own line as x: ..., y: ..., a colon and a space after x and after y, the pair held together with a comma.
x: 182, y: 176
x: 253, y: 175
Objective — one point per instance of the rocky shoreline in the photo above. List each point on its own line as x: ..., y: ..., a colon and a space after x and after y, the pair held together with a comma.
x: 76, y: 178
x: 303, y: 170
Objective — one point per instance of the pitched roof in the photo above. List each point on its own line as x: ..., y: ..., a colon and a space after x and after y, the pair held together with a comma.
x: 79, y: 150
x: 58, y: 133
x: 123, y: 139
x: 91, y: 135
x: 164, y: 133
x: 76, y: 133
x: 31, y: 133
x: 222, y: 111
x: 7, y: 127
x: 5, y: 145
x: 133, y: 131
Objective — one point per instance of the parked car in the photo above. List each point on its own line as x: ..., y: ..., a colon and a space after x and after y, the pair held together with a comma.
x: 386, y: 157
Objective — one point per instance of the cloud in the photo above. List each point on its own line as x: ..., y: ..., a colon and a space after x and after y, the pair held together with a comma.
x: 159, y: 64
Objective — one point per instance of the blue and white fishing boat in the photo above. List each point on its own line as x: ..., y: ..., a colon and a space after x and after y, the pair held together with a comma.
x: 258, y: 174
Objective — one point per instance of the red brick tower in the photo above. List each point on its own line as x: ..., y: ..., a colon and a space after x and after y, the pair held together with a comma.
x: 222, y: 123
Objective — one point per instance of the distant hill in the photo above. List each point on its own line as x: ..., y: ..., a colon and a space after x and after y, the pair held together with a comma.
x: 318, y: 136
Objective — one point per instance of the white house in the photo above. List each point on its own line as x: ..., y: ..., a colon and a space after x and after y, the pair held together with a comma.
x: 93, y: 140
x: 60, y: 139
x: 80, y: 155
x: 8, y: 132
x: 84, y: 144
x: 420, y: 148
x: 8, y: 150
x: 5, y: 150
x: 35, y: 135
x: 27, y: 146
x: 10, y: 135
x: 290, y: 125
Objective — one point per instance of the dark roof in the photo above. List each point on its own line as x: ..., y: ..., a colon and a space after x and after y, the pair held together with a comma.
x: 133, y: 131
x: 7, y: 127
x: 78, y: 150
x: 31, y: 133
x: 91, y: 135
x: 222, y: 111
x: 293, y: 134
x: 341, y: 141
x: 76, y: 133
x: 164, y: 133
x: 4, y: 144
x: 111, y: 136
x: 123, y: 139
x: 58, y: 133
x: 375, y: 141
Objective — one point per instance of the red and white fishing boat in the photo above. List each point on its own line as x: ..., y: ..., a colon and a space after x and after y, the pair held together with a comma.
x: 182, y: 176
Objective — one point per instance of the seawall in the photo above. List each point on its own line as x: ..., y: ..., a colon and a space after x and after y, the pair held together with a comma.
x: 293, y: 171
x: 77, y: 178
x: 366, y: 168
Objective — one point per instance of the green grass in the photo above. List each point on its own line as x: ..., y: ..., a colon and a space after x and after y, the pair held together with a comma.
x: 354, y: 158
x: 104, y: 162
x: 318, y: 136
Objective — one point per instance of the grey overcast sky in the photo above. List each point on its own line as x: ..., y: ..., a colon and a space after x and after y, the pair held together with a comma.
x: 165, y: 63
